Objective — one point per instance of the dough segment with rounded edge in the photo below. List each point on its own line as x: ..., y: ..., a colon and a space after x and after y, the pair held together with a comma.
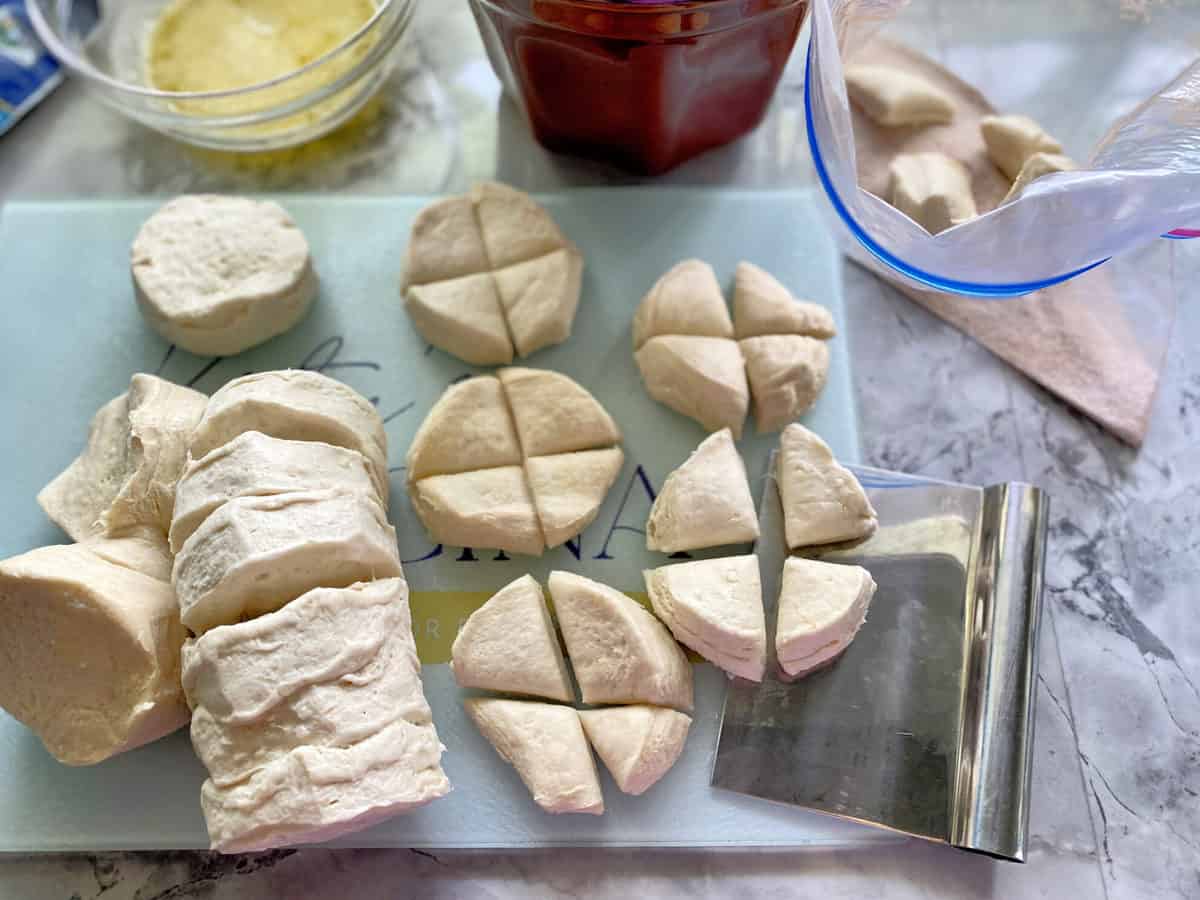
x: 89, y: 652
x: 554, y: 414
x: 703, y: 378
x: 517, y: 461
x: 705, y: 502
x: 619, y: 651
x: 257, y: 465
x: 894, y: 97
x: 546, y: 745
x: 296, y: 405
x: 715, y: 607
x: 762, y: 305
x: 255, y: 554
x: 462, y: 316
x: 823, y: 503
x: 1012, y: 139
x: 821, y: 608
x: 787, y: 373
x: 568, y: 489
x: 469, y: 427
x: 125, y: 477
x: 932, y: 189
x: 489, y: 275
x: 1037, y: 166
x: 687, y: 299
x: 217, y: 275
x: 483, y: 508
x: 637, y: 744
x: 509, y: 646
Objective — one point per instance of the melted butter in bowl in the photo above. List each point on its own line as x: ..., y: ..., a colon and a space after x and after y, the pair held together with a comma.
x: 215, y: 45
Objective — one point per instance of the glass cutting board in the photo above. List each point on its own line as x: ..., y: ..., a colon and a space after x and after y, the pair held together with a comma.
x: 72, y: 337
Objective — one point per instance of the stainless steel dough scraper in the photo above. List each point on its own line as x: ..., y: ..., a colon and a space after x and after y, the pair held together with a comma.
x: 925, y: 724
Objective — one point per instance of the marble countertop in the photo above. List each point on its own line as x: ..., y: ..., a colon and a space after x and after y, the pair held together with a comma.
x: 1115, y: 808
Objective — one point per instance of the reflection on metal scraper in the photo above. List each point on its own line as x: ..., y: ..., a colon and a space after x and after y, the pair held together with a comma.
x: 925, y: 724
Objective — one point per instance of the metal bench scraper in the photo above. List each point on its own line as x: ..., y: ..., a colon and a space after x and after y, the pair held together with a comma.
x: 925, y: 724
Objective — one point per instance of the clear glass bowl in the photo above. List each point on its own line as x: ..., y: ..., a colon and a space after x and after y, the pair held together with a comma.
x: 282, y: 112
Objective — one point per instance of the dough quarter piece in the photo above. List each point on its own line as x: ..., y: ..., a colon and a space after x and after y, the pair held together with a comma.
x: 821, y: 608
x: 485, y: 509
x: 1037, y: 166
x: 257, y: 465
x: 445, y: 243
x: 619, y: 651
x: 569, y: 488
x: 546, y: 745
x: 761, y: 305
x: 1012, y: 139
x: 637, y: 744
x: 125, y: 477
x: 686, y: 300
x: 515, y: 227
x: 509, y: 645
x: 296, y: 405
x: 703, y: 378
x: 217, y: 275
x: 823, y: 502
x: 706, y: 502
x: 539, y: 298
x: 315, y: 794
x: 787, y: 373
x: 554, y: 414
x: 255, y: 554
x: 469, y: 427
x: 89, y: 652
x: 932, y: 189
x: 894, y: 97
x: 715, y: 607
x: 462, y: 316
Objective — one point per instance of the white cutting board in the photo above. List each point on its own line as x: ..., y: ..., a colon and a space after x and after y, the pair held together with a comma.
x: 72, y: 337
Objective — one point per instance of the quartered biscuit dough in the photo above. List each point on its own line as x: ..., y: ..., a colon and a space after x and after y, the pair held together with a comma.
x: 619, y: 651
x: 509, y: 645
x: 89, y: 651
x: 821, y: 608
x: 706, y: 502
x: 519, y: 461
x: 823, y: 502
x: 637, y: 744
x: 689, y: 359
x: 136, y: 449
x: 546, y: 745
x: 489, y: 275
x: 217, y: 275
x: 715, y: 607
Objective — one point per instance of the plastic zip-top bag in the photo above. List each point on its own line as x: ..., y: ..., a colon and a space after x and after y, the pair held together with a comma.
x: 1139, y: 182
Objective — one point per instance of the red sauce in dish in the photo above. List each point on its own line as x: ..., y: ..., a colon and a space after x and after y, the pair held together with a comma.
x: 646, y: 86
